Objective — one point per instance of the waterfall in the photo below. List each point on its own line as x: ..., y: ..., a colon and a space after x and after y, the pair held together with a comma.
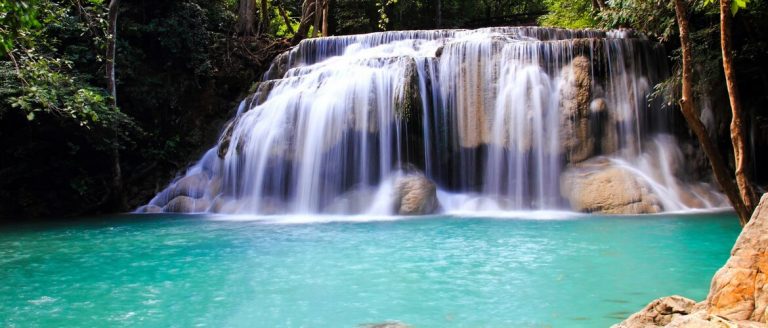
x: 498, y: 116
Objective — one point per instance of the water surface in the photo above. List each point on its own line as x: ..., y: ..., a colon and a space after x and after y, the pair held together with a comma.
x: 183, y: 271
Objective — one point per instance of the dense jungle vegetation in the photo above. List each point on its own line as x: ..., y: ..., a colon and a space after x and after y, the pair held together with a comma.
x: 103, y: 102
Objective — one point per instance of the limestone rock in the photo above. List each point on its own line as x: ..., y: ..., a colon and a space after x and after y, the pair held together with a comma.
x: 475, y: 94
x: 738, y: 296
x: 184, y: 204
x: 280, y: 65
x: 353, y: 201
x: 698, y: 319
x: 214, y: 187
x: 408, y: 98
x: 739, y: 290
x: 659, y: 313
x: 575, y: 94
x: 149, y: 209
x: 226, y: 138
x: 415, y: 195
x: 191, y: 185
x: 597, y: 186
x: 225, y: 205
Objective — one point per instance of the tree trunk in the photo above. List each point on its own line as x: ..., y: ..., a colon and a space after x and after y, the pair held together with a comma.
x: 110, y: 64
x: 265, y: 20
x: 325, y: 18
x: 307, y: 13
x: 598, y: 5
x: 246, y: 12
x: 692, y: 118
x: 318, y: 16
x: 740, y: 151
x: 118, y: 196
x: 285, y: 18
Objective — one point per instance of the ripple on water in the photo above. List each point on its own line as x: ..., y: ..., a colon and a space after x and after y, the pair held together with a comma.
x: 428, y: 272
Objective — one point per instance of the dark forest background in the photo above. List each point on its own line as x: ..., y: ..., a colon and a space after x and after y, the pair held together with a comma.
x: 182, y: 66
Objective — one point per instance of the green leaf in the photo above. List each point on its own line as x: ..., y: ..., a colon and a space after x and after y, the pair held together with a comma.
x: 738, y: 4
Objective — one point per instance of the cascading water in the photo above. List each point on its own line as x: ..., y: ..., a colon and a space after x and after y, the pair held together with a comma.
x: 495, y: 117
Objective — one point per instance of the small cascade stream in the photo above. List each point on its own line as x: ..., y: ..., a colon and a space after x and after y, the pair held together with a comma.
x: 496, y: 119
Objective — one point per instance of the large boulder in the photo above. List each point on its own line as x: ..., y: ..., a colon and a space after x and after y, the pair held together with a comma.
x: 599, y: 186
x: 739, y: 290
x: 738, y: 295
x: 193, y: 185
x: 414, y: 194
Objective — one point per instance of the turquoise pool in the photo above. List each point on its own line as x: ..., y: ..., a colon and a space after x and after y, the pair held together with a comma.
x: 185, y: 271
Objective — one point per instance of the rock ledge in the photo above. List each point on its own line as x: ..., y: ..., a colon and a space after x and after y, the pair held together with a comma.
x: 738, y: 296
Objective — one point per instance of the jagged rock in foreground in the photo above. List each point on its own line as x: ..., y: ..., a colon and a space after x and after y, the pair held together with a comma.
x: 599, y: 186
x: 738, y: 296
x: 739, y: 290
x: 660, y: 312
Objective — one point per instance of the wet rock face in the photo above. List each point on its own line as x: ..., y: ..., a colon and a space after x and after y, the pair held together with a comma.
x: 192, y: 186
x: 598, y: 186
x: 149, y: 209
x: 353, y: 201
x: 226, y: 139
x: 739, y: 290
x: 184, y: 204
x: 575, y: 94
x: 738, y: 296
x: 415, y: 195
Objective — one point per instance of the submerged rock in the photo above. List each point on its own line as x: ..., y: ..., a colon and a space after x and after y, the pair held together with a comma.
x: 659, y: 313
x: 415, y: 195
x: 149, y: 209
x: 738, y: 295
x: 185, y: 204
x: 393, y: 324
x: 354, y: 201
x: 598, y: 186
x: 225, y: 205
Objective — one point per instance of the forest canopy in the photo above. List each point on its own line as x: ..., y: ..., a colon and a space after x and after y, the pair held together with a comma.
x: 181, y: 66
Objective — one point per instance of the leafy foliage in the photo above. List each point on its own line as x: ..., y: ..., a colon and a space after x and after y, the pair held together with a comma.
x: 181, y: 69
x: 16, y: 16
x: 653, y: 17
x: 736, y: 5
x: 383, y: 18
x: 569, y: 14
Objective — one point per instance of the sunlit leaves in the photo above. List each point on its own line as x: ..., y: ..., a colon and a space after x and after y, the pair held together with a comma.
x: 383, y: 18
x: 736, y: 5
x: 15, y: 16
x: 568, y: 14
x: 49, y: 87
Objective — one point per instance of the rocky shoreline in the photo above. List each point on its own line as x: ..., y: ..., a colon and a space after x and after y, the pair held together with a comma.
x: 738, y: 295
